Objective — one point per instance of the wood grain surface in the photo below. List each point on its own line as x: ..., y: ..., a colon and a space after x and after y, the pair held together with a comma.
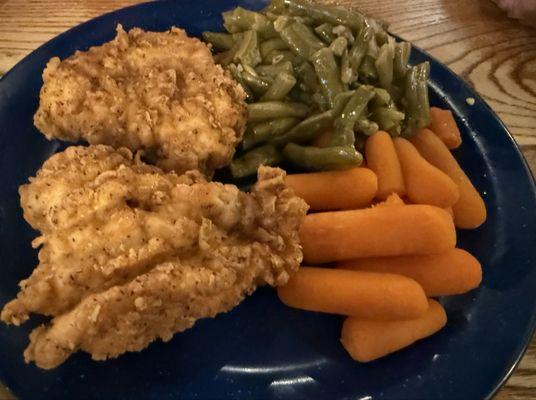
x: 496, y: 55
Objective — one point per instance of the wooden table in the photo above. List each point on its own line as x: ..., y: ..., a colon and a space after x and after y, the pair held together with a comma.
x: 496, y: 55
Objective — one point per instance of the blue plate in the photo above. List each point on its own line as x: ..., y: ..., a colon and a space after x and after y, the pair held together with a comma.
x: 263, y: 350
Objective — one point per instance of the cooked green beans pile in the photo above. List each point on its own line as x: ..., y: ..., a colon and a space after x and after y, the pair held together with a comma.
x: 311, y: 70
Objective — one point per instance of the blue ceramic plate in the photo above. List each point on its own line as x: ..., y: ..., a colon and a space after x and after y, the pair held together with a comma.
x: 262, y: 349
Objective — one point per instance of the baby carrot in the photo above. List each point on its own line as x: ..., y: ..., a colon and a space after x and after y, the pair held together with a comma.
x: 362, y: 294
x: 452, y: 272
x: 444, y: 126
x: 376, y: 232
x: 335, y: 190
x: 366, y: 339
x: 425, y: 184
x: 382, y: 159
x: 469, y: 210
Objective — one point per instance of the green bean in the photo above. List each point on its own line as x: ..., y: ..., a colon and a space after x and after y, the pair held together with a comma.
x: 416, y: 98
x: 297, y: 94
x: 219, y: 41
x: 382, y: 98
x: 248, y: 50
x: 237, y: 36
x: 366, y: 127
x: 240, y: 19
x: 347, y: 74
x: 387, y: 118
x: 267, y: 46
x: 275, y: 69
x: 282, y: 22
x: 328, y: 74
x: 367, y: 70
x: 280, y: 87
x: 400, y: 63
x: 358, y: 50
x: 340, y: 102
x: 272, y: 16
x: 325, y: 32
x: 277, y: 56
x: 339, y: 45
x: 345, y: 32
x: 332, y: 15
x: 263, y: 131
x: 372, y: 48
x: 344, y: 125
x: 237, y: 76
x: 248, y: 163
x: 301, y: 39
x: 321, y: 101
x: 306, y: 75
x: 306, y: 130
x: 226, y: 57
x: 317, y: 159
x: 384, y: 65
x: 380, y: 33
x: 397, y: 93
x: 305, y: 20
x: 258, y: 84
x: 276, y: 109
x: 275, y: 6
x: 298, y: 59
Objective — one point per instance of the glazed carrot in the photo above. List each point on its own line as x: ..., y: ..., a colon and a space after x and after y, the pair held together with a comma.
x: 376, y: 232
x: 450, y: 211
x: 362, y: 294
x: 425, y: 184
x: 335, y: 190
x: 367, y: 340
x: 382, y: 159
x: 453, y: 272
x: 444, y: 126
x: 469, y: 210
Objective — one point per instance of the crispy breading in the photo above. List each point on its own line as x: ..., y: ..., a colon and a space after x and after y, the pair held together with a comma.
x: 154, y: 91
x: 130, y: 254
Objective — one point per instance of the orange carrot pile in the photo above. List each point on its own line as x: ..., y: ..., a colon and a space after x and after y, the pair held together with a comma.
x: 356, y: 293
x: 452, y: 272
x: 444, y: 126
x: 388, y: 260
x: 382, y: 159
x: 369, y: 339
x: 425, y: 184
x: 376, y: 232
x: 469, y: 210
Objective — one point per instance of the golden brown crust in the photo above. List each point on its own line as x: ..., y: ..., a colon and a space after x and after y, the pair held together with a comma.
x: 154, y: 91
x: 130, y: 254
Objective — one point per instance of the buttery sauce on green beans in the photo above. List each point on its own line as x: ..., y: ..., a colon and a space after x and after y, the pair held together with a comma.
x: 311, y: 70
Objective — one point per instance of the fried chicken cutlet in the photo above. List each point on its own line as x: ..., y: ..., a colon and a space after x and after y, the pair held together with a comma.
x: 129, y: 254
x: 154, y: 91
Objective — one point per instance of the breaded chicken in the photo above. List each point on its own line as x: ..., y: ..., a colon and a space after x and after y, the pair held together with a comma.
x: 130, y: 254
x: 154, y: 91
